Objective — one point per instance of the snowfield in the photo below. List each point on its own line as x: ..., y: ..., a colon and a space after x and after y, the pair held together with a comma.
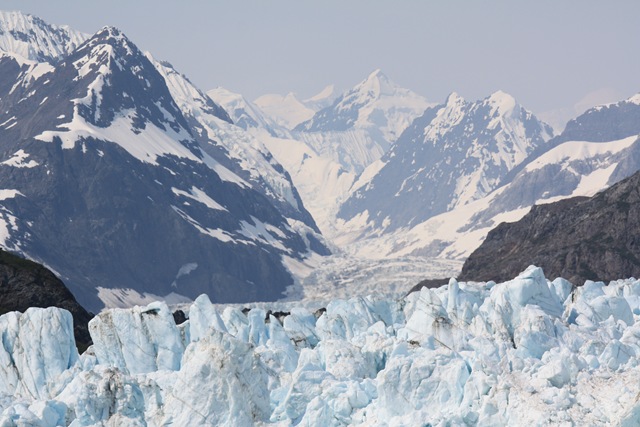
x: 525, y: 352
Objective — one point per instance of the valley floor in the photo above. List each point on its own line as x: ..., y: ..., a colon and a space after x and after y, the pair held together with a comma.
x: 343, y: 276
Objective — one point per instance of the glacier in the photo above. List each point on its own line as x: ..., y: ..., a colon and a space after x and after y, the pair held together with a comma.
x: 526, y: 351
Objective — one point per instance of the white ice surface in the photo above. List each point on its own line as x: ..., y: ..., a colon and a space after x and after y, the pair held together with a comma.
x: 287, y: 111
x: 524, y: 352
x: 124, y: 297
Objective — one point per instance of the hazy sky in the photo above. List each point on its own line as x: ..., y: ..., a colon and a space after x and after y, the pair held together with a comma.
x: 549, y: 54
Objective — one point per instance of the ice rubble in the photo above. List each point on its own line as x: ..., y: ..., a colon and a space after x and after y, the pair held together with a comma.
x: 524, y: 351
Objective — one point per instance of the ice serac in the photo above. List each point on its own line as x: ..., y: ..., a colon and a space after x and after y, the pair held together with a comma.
x: 453, y: 154
x: 137, y: 341
x: 222, y: 382
x: 38, y: 348
x: 526, y: 351
x: 106, y: 155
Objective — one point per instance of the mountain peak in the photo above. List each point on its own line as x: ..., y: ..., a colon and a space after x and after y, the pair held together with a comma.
x: 242, y: 112
x: 32, y: 38
x: 635, y: 99
x: 454, y: 98
x: 114, y: 37
x: 502, y: 101
x: 374, y: 103
x: 109, y: 31
x: 377, y: 74
x: 376, y: 85
x: 326, y: 93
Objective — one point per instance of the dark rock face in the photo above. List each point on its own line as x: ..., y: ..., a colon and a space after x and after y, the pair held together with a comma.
x: 604, y: 123
x: 25, y: 284
x: 179, y: 317
x: 595, y: 238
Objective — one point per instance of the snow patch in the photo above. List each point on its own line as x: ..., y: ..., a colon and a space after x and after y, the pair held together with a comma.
x: 18, y: 160
x: 200, y: 196
x: 145, y: 144
x: 259, y: 231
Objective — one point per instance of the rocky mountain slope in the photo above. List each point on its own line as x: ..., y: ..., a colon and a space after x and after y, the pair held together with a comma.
x: 232, y: 146
x: 107, y: 181
x: 579, y: 238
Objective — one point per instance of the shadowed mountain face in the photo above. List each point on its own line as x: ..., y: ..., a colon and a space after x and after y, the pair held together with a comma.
x: 579, y: 239
x: 105, y: 181
x: 25, y: 284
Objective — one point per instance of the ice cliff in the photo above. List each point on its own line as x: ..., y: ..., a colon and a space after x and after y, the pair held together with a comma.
x: 526, y: 351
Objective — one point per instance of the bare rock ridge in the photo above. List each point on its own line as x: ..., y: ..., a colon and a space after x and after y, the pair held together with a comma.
x: 25, y: 284
x: 579, y: 239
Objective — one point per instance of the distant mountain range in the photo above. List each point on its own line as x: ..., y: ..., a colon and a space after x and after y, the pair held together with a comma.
x: 561, y: 168
x: 453, y: 154
x: 131, y: 183
x: 362, y: 123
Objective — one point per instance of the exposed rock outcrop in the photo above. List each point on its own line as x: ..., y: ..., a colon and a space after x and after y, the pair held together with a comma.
x: 595, y: 238
x: 25, y: 284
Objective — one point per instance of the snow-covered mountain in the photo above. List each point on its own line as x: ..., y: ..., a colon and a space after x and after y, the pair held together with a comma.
x: 563, y: 168
x: 34, y: 39
x: 244, y: 113
x: 234, y: 147
x: 376, y: 102
x: 362, y: 123
x: 322, y: 99
x: 321, y: 181
x: 287, y: 111
x: 527, y: 351
x: 323, y: 160
x: 107, y: 182
x: 453, y: 154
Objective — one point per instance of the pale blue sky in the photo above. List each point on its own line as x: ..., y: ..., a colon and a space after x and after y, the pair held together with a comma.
x: 548, y: 54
